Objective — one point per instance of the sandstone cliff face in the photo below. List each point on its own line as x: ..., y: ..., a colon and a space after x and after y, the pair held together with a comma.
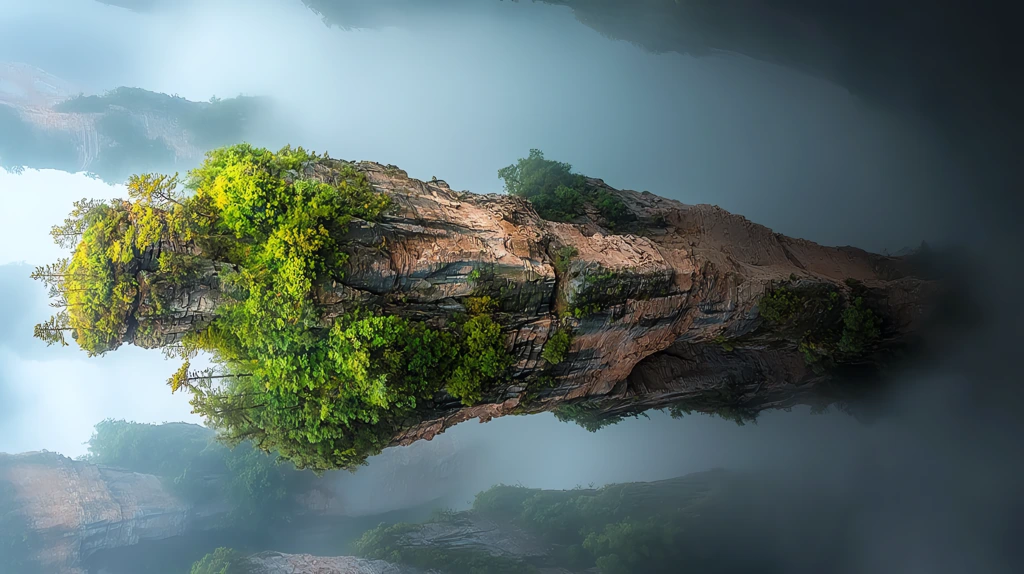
x: 78, y: 508
x: 74, y: 509
x: 663, y: 309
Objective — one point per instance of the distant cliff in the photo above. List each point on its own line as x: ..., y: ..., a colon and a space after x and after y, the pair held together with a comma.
x: 73, y: 509
x: 690, y: 523
x: 46, y: 124
x: 278, y: 563
x: 56, y: 513
x: 675, y: 306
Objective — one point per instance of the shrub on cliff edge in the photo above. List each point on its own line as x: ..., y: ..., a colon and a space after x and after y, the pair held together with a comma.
x: 323, y: 392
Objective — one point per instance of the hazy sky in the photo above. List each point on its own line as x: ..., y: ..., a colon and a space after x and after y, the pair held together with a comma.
x: 461, y: 96
x: 456, y: 98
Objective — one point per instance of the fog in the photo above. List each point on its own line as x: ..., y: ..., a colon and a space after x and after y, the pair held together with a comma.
x: 933, y: 487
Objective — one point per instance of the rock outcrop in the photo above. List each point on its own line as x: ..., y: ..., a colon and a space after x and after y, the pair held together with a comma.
x: 47, y: 124
x: 661, y: 309
x: 277, y: 563
x: 69, y: 510
x: 74, y: 508
x: 522, y: 530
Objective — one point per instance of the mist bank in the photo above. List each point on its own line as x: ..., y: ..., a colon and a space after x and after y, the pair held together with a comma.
x: 161, y: 496
x: 716, y: 521
x: 753, y: 137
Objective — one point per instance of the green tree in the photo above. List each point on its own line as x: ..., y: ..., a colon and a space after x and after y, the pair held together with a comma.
x: 269, y: 230
x: 557, y: 193
x: 557, y: 347
x: 554, y: 190
x: 220, y: 561
x: 193, y: 464
x: 861, y: 328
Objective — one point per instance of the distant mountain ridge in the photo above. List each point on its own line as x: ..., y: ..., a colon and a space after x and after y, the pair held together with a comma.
x: 47, y: 123
x: 57, y: 514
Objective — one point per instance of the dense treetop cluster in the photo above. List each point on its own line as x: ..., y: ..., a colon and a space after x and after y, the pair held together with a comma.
x: 324, y: 392
x: 557, y: 193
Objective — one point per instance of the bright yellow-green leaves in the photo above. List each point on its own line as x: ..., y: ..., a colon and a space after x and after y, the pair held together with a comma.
x: 484, y: 359
x: 180, y: 377
x: 97, y: 292
x: 324, y: 392
x: 149, y: 227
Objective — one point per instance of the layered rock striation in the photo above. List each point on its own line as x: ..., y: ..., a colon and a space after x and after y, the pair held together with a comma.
x: 66, y: 511
x: 661, y: 308
x: 73, y: 509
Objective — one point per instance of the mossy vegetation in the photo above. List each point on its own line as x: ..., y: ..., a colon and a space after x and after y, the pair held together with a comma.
x: 563, y: 257
x: 589, y: 416
x: 727, y: 344
x: 483, y: 304
x: 600, y: 289
x: 557, y: 346
x: 830, y: 326
x: 323, y: 393
x: 386, y: 543
x: 222, y: 561
x: 557, y: 193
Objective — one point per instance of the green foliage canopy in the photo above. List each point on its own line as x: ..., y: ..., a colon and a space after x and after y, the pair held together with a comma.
x: 557, y: 347
x: 558, y: 194
x: 220, y: 561
x: 323, y: 392
x: 193, y: 464
x: 624, y: 528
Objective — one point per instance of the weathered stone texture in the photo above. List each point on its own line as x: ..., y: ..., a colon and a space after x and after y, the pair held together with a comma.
x: 79, y: 508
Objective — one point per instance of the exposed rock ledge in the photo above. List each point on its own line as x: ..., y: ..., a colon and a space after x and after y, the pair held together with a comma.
x: 664, y: 308
x: 73, y: 509
x: 277, y: 563
x: 76, y: 508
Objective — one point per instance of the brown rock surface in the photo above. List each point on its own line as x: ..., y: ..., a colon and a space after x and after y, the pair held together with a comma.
x: 79, y: 508
x: 677, y: 280
x: 665, y: 308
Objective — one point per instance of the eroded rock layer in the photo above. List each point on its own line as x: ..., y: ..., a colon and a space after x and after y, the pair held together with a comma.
x: 277, y: 563
x: 75, y: 508
x: 662, y: 309
x: 663, y: 306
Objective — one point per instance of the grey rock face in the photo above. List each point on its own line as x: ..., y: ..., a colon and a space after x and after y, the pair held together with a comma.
x: 277, y: 563
x: 79, y: 508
